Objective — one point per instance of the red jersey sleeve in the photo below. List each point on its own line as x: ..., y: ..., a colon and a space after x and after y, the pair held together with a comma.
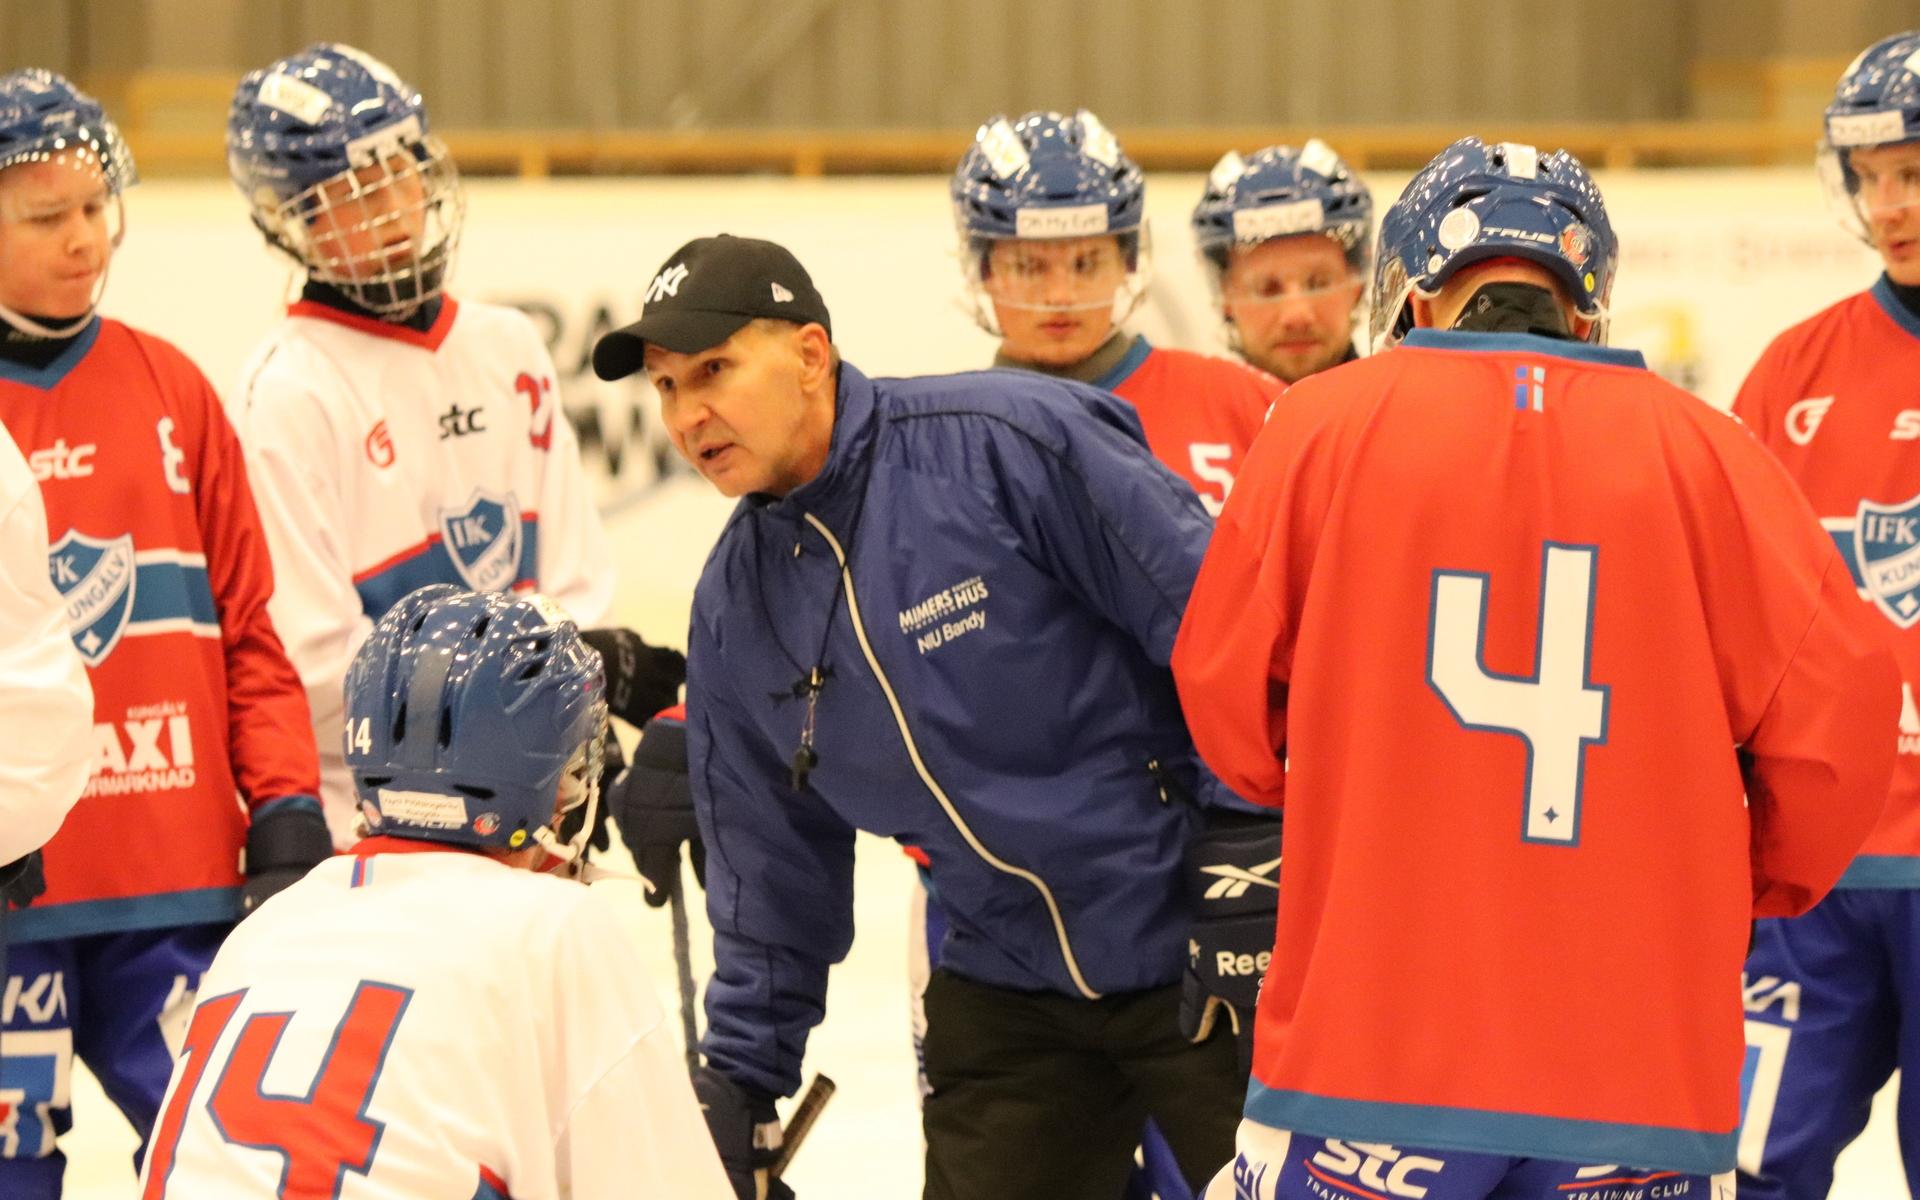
x: 269, y: 730
x: 1232, y: 660
x: 1810, y: 686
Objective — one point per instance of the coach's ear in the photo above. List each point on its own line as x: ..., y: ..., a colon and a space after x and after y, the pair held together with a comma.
x: 818, y: 357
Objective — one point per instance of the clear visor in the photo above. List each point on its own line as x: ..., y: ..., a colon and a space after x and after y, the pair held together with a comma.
x: 385, y: 234
x: 1869, y: 186
x: 1107, y: 272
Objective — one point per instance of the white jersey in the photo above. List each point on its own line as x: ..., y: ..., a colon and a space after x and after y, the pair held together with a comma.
x: 417, y: 1023
x: 384, y: 459
x: 46, y: 705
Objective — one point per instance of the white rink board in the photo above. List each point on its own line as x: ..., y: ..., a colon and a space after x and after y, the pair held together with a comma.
x: 1716, y: 264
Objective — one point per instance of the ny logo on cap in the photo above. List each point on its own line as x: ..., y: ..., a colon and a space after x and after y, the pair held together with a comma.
x: 667, y: 282
x: 781, y: 295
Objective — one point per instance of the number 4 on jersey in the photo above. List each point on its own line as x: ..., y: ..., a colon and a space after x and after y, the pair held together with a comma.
x: 322, y: 1135
x: 1557, y: 711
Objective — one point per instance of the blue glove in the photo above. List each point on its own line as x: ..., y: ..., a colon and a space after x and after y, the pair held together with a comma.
x: 746, y: 1132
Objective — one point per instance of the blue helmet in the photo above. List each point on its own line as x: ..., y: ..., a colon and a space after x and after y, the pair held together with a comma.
x: 1283, y: 192
x: 1476, y: 201
x: 469, y: 715
x: 42, y: 116
x: 45, y: 119
x: 1049, y: 176
x: 333, y: 113
x: 1876, y: 103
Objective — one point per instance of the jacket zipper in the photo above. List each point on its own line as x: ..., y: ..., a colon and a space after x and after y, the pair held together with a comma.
x: 932, y: 784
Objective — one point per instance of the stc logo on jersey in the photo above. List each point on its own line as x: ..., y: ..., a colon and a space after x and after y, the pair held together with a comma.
x: 483, y: 539
x: 60, y: 461
x: 97, y: 580
x: 1384, y: 1169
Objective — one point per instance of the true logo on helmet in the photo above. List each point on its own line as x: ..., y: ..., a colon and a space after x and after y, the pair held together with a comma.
x: 1887, y: 544
x: 97, y: 580
x: 486, y: 824
x: 483, y: 540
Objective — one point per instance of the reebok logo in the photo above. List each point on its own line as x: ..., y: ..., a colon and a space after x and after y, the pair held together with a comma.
x: 1231, y: 882
x: 667, y: 282
x: 781, y: 295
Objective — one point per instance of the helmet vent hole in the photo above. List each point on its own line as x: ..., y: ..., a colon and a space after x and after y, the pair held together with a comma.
x: 446, y: 728
x: 532, y: 670
x: 477, y: 793
x: 400, y: 723
x: 480, y: 627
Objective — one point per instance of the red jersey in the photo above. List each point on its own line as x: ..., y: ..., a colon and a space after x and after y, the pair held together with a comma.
x: 158, y: 552
x: 1502, y: 608
x: 1837, y: 399
x: 1200, y: 413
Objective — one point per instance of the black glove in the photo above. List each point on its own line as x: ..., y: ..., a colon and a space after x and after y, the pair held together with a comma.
x: 284, y: 844
x: 654, y: 806
x: 641, y: 679
x: 22, y: 880
x: 746, y: 1132
x: 1233, y: 890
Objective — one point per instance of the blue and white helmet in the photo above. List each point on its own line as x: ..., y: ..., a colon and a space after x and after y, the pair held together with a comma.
x: 1048, y: 177
x: 45, y: 119
x: 1283, y: 192
x: 1876, y: 103
x: 333, y: 152
x: 471, y: 716
x: 1476, y: 201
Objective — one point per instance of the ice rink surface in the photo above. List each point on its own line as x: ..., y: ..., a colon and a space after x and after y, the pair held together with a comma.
x: 867, y: 1145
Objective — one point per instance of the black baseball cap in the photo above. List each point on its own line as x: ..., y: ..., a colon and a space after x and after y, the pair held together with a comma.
x: 707, y: 290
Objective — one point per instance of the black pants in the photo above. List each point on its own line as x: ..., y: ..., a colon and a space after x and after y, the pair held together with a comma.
x: 1041, y: 1095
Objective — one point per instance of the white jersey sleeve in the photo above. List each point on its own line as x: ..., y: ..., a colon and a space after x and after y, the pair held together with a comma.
x: 46, y: 705
x: 575, y: 568
x: 298, y: 463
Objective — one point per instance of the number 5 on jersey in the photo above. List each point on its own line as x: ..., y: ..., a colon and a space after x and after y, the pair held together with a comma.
x: 320, y: 1136
x: 1558, y: 711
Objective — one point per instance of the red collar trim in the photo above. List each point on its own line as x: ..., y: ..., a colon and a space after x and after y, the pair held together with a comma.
x: 429, y: 340
x: 388, y: 844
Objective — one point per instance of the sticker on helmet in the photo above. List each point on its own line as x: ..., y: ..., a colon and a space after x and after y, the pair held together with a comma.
x: 296, y: 97
x: 1458, y: 228
x: 426, y: 810
x: 1318, y: 157
x: 1075, y: 220
x: 1575, y: 244
x: 1227, y: 171
x: 1097, y: 141
x: 1867, y: 129
x: 1001, y: 146
x: 1279, y: 220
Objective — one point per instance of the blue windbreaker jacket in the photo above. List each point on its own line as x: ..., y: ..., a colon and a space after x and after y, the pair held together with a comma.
x: 1016, y: 565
